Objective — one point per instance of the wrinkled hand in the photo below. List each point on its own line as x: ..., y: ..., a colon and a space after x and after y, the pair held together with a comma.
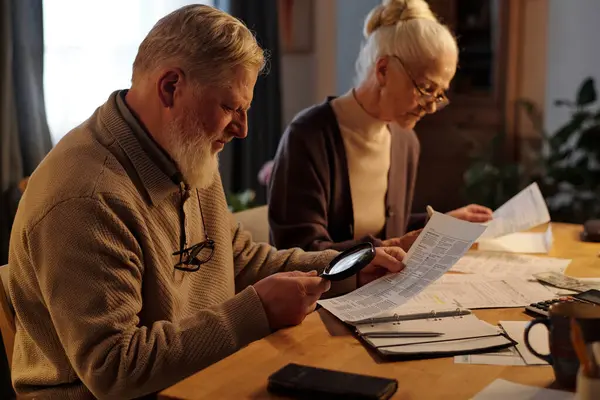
x: 288, y: 297
x: 404, y: 242
x: 387, y: 260
x: 472, y: 213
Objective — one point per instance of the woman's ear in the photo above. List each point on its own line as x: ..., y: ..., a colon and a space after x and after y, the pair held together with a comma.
x: 381, y: 71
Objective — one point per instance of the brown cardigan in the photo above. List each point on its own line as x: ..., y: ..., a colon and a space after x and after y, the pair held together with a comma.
x: 310, y: 204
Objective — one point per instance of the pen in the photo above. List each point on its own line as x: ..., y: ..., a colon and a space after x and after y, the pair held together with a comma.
x: 407, y: 334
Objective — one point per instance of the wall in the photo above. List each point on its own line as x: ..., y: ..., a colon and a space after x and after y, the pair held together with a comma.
x: 307, y: 78
x: 350, y: 20
x: 329, y: 69
x: 572, y: 53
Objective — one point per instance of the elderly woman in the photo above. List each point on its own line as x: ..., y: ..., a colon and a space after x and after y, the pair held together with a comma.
x: 345, y: 169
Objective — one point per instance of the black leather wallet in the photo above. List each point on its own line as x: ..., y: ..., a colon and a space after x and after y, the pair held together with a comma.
x: 591, y: 231
x: 305, y: 382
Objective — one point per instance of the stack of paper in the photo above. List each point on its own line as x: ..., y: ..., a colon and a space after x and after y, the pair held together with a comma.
x: 522, y: 212
x: 443, y: 241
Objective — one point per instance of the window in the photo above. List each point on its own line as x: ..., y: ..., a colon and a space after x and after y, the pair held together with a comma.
x: 89, y: 50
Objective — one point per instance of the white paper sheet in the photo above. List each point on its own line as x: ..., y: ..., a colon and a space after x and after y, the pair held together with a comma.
x: 473, y: 291
x: 506, y: 264
x: 520, y: 242
x: 502, y: 389
x: 508, y: 356
x: 439, y: 246
x: 525, y: 210
x: 538, y: 338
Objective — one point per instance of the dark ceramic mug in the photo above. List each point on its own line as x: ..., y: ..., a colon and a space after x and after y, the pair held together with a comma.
x: 562, y: 355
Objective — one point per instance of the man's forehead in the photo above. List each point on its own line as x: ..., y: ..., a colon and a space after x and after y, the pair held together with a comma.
x: 241, y: 85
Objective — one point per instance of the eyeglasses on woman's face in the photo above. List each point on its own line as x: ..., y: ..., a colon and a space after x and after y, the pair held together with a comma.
x: 428, y: 93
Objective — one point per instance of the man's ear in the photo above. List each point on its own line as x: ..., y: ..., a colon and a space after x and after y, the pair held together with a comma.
x: 169, y: 83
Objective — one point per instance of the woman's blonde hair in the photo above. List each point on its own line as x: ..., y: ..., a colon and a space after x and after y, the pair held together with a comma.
x: 404, y: 28
x: 204, y: 41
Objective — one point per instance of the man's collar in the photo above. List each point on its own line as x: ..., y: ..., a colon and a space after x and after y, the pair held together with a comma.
x: 157, y: 171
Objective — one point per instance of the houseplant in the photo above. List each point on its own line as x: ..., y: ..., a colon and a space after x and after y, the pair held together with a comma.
x: 567, y: 167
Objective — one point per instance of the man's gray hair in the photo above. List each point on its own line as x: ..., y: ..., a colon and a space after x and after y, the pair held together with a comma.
x: 203, y: 41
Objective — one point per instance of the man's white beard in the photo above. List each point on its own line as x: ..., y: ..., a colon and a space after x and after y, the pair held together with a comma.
x: 191, y: 149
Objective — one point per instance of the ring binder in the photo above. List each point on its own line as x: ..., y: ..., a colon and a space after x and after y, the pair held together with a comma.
x: 436, y: 333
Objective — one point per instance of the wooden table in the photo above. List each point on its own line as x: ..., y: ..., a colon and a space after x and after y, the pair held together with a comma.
x: 322, y: 341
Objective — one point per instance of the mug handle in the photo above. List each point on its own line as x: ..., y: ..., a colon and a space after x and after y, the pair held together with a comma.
x: 545, y: 321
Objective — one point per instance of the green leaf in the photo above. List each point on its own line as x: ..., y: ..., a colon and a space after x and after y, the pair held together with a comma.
x: 590, y: 139
x: 564, y: 133
x: 587, y: 92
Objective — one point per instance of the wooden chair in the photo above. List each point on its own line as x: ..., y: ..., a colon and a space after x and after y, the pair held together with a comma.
x: 7, y: 315
x: 256, y: 221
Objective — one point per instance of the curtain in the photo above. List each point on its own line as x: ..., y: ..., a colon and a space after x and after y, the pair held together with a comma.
x: 24, y: 134
x: 241, y: 162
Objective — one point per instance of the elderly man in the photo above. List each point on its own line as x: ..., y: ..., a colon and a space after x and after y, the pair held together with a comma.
x: 127, y: 271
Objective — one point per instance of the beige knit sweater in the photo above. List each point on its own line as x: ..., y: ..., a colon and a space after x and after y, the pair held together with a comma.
x: 100, y: 309
x: 367, y: 142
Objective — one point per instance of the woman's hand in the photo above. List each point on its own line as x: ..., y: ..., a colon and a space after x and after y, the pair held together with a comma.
x: 472, y: 213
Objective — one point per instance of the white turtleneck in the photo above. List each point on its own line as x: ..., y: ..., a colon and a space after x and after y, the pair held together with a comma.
x: 367, y: 143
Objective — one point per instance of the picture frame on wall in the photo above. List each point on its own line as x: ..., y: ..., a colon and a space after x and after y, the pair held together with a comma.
x: 296, y: 25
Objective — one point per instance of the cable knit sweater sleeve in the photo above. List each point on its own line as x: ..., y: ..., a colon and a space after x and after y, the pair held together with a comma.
x: 95, y: 271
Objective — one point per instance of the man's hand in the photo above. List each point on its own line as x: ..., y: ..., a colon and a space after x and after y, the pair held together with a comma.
x: 288, y: 297
x: 387, y: 260
x: 472, y: 213
x: 403, y: 242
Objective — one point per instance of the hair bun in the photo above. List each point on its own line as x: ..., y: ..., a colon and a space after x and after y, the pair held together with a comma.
x: 390, y: 12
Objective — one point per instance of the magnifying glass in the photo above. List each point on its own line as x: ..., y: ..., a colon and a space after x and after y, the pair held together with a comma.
x: 349, y: 262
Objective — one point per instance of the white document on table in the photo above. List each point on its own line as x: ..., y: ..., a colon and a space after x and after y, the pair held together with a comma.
x: 525, y: 210
x: 520, y: 242
x: 507, y: 264
x: 502, y: 389
x: 439, y: 246
x: 538, y: 338
x: 508, y: 356
x: 473, y: 291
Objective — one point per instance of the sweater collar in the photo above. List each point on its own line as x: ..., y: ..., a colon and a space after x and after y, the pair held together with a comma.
x: 157, y: 172
x: 352, y: 116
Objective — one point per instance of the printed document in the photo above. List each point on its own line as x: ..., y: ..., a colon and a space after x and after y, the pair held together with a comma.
x: 473, y: 291
x: 440, y: 245
x: 524, y: 211
x: 508, y: 356
x: 503, y: 264
x: 520, y: 242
